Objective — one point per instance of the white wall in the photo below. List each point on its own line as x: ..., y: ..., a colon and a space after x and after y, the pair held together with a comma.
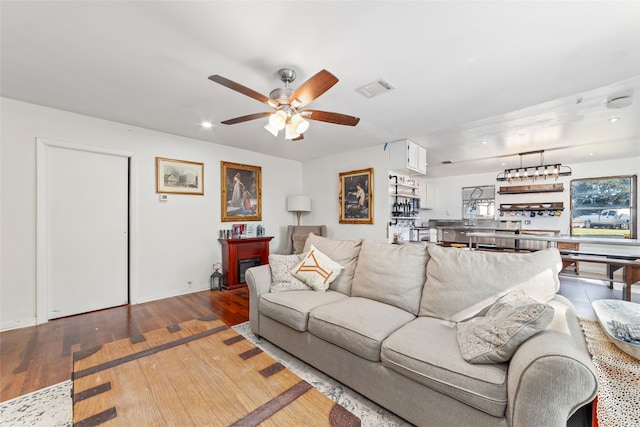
x: 321, y: 182
x: 176, y: 241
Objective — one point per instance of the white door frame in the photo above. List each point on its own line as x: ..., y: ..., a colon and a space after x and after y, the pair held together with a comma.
x: 42, y: 284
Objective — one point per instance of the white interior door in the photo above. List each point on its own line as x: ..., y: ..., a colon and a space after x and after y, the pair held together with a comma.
x: 87, y: 231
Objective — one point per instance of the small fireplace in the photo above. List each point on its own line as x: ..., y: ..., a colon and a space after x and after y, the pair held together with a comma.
x: 244, y: 265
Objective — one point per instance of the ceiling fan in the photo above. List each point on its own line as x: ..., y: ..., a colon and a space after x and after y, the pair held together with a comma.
x: 290, y: 114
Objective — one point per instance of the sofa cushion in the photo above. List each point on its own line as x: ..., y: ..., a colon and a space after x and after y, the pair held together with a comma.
x: 281, y: 277
x: 461, y: 283
x: 317, y: 270
x: 344, y: 252
x: 392, y: 274
x: 358, y: 325
x: 426, y: 351
x: 292, y: 308
x: 494, y: 338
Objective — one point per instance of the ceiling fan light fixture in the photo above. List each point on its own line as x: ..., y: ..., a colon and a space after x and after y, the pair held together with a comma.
x: 290, y: 132
x: 278, y: 119
x: 271, y: 129
x: 300, y: 124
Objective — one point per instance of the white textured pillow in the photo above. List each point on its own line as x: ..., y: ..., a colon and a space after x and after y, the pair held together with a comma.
x: 281, y: 277
x: 495, y: 337
x: 317, y: 270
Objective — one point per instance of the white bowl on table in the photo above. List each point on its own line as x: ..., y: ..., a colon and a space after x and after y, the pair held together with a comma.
x: 624, y: 312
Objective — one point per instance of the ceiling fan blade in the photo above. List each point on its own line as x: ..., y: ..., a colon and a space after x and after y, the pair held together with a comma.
x: 245, y: 118
x: 325, y: 116
x: 239, y: 88
x: 313, y: 88
x: 299, y: 138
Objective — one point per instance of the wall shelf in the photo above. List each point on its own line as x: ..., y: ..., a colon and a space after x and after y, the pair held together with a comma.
x: 540, y: 188
x: 404, y: 205
x: 542, y: 206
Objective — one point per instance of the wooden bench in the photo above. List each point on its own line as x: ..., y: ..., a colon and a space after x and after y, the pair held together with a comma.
x: 629, y: 263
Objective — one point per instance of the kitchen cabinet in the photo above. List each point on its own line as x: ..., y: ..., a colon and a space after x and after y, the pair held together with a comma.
x: 406, y: 156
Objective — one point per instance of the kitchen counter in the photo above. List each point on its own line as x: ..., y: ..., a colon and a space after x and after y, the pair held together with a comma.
x: 553, y: 240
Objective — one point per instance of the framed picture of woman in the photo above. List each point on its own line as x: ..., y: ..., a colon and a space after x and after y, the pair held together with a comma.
x: 356, y: 197
x: 241, y: 198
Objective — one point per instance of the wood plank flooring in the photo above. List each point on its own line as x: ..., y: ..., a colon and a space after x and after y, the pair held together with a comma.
x: 39, y: 356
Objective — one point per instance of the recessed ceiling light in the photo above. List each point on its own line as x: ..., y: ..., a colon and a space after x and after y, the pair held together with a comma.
x: 614, y: 119
x: 206, y: 125
x: 484, y: 141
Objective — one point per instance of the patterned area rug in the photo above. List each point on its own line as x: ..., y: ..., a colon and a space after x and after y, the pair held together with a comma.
x: 52, y: 406
x: 47, y: 407
x: 618, y: 378
x: 369, y: 413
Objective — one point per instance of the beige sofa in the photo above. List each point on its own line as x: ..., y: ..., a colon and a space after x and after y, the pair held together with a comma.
x: 391, y: 335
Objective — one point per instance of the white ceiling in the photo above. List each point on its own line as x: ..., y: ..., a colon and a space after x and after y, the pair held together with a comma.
x: 520, y: 75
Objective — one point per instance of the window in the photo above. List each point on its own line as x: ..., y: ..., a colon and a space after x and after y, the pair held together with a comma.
x: 478, y: 202
x: 604, y: 207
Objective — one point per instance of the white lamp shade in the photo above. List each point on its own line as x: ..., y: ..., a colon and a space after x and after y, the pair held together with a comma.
x: 278, y: 119
x: 290, y: 132
x: 299, y: 203
x: 300, y: 124
x: 271, y: 129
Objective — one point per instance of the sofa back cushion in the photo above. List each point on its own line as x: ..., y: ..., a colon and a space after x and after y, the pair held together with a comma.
x: 392, y: 274
x: 344, y: 252
x: 463, y: 283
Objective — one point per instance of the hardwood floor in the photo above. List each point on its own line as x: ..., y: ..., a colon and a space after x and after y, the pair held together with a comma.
x: 39, y: 356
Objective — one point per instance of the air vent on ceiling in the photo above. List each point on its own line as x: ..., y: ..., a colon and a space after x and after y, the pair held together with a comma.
x: 447, y: 162
x: 375, y: 88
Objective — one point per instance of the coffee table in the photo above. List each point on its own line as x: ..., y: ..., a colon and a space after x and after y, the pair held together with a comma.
x: 624, y: 312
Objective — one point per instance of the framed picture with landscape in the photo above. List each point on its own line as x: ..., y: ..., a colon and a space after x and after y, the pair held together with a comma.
x: 241, y: 192
x: 356, y: 197
x: 179, y: 176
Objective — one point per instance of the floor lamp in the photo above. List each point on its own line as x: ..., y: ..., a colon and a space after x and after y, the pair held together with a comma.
x: 299, y: 204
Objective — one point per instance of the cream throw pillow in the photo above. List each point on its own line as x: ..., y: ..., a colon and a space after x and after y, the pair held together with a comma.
x: 281, y: 277
x: 344, y: 252
x: 495, y: 337
x: 317, y: 270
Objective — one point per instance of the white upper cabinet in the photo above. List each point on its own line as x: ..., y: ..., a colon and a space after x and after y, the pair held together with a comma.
x: 406, y: 156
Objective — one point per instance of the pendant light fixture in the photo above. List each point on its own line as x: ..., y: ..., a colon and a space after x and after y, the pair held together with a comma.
x: 535, y: 172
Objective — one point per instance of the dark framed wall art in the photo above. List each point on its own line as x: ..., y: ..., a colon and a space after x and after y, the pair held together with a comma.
x: 179, y: 176
x: 356, y: 197
x: 241, y: 192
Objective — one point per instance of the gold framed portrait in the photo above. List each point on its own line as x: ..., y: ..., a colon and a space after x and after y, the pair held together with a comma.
x: 241, y: 192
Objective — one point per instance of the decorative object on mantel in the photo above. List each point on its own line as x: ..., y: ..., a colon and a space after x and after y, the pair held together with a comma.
x: 535, y: 172
x: 299, y: 204
x: 289, y: 104
x: 241, y: 192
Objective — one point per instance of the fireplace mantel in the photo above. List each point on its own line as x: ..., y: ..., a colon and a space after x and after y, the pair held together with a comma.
x: 234, y: 250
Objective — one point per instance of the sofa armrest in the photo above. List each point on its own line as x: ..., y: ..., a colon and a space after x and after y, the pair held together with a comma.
x: 551, y: 375
x: 258, y: 281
